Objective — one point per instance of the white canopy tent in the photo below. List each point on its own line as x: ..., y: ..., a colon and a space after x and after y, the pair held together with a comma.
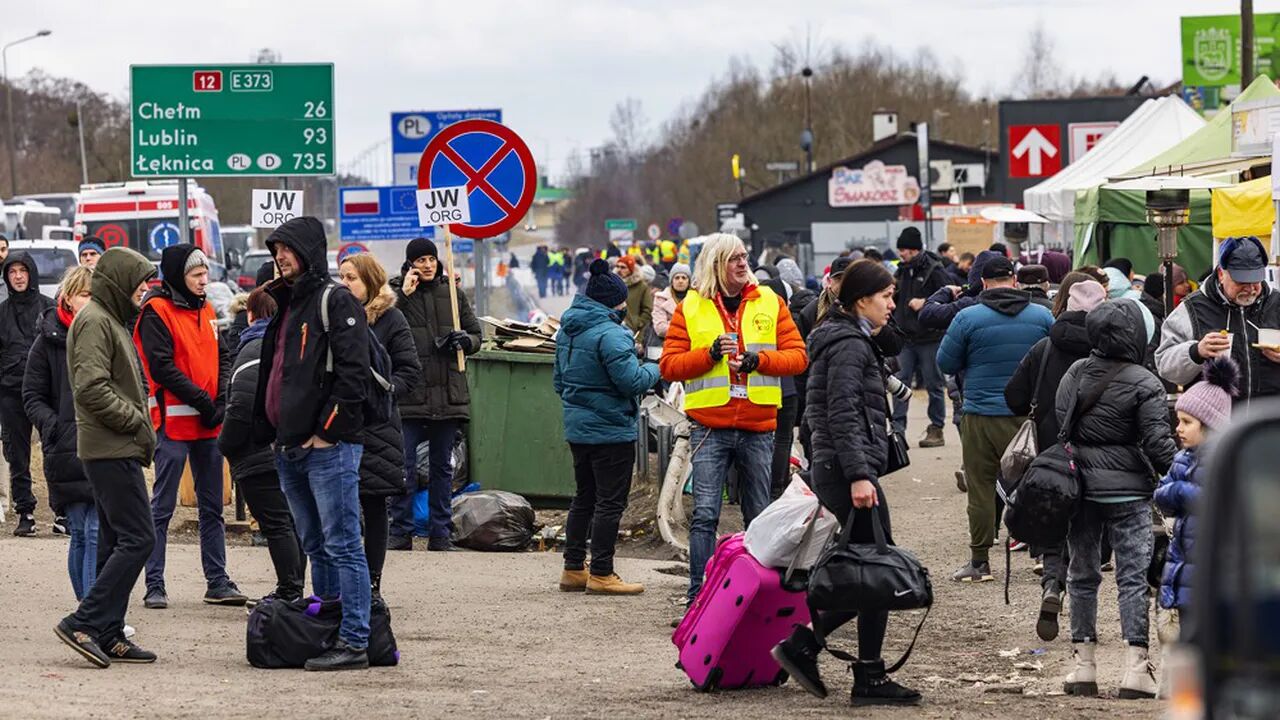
x: 1157, y: 125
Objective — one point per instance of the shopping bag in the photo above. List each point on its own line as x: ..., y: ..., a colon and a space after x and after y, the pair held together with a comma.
x: 187, y: 485
x: 777, y: 534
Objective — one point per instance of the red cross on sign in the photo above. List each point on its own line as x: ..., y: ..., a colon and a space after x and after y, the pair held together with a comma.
x: 493, y: 163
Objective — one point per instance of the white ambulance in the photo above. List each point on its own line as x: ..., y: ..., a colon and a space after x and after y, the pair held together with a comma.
x: 143, y: 215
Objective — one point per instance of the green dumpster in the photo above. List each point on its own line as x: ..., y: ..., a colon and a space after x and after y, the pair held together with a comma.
x: 516, y: 439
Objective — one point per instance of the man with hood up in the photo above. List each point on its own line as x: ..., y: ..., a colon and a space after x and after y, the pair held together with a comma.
x: 920, y: 274
x: 19, y: 326
x: 187, y: 372
x: 315, y: 417
x: 115, y: 440
x: 986, y: 342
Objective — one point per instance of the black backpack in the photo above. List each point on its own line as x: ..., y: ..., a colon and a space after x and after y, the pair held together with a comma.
x: 379, y: 397
x: 288, y: 633
x: 1039, y: 506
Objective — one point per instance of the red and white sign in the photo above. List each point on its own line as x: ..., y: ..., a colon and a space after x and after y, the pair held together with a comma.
x: 873, y: 184
x: 1085, y: 135
x: 206, y: 81
x: 1034, y: 150
x: 360, y: 202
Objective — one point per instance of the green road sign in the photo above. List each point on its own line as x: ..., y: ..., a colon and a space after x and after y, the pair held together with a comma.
x: 227, y: 120
x: 620, y: 224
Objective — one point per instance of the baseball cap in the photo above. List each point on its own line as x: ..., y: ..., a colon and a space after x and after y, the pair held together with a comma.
x: 997, y: 268
x: 1244, y: 259
x: 839, y: 265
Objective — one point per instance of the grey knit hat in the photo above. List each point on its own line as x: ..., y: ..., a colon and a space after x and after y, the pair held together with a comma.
x: 681, y: 268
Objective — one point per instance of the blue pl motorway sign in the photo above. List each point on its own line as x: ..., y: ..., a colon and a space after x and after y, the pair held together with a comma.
x: 384, y: 213
x: 411, y: 131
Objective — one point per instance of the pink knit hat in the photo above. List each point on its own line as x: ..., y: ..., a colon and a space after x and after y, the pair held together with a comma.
x: 1085, y: 295
x: 1209, y: 400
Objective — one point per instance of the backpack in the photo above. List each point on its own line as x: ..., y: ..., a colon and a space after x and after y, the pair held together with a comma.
x: 379, y: 397
x: 1040, y: 505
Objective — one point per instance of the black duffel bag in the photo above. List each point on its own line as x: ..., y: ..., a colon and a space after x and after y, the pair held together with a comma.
x: 869, y: 577
x: 288, y: 633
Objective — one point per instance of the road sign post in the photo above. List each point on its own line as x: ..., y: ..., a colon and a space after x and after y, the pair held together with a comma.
x: 228, y: 120
x: 496, y: 173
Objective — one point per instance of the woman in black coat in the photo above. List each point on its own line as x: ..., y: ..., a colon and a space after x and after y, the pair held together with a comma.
x: 46, y: 398
x: 435, y: 410
x: 848, y: 410
x: 382, y: 464
x: 1068, y: 342
x: 253, y: 465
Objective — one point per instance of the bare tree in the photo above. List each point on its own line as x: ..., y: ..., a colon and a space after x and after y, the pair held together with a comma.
x: 1041, y: 75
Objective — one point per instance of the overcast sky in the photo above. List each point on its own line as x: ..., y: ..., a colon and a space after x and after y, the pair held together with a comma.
x: 558, y: 67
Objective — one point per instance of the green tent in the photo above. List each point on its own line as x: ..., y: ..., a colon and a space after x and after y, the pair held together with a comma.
x: 1113, y: 223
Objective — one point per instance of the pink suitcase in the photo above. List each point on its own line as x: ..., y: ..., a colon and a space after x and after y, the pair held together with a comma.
x: 740, y: 613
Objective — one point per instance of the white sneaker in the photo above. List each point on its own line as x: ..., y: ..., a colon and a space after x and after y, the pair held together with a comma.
x: 129, y: 632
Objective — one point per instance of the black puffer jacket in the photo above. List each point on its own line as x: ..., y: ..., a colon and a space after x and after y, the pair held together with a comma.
x: 312, y: 401
x: 1124, y: 443
x: 248, y: 457
x: 444, y: 395
x: 846, y: 405
x: 382, y: 464
x: 1068, y: 342
x: 19, y: 322
x: 47, y: 399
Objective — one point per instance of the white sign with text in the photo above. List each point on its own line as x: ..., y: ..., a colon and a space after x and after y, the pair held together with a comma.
x: 443, y: 206
x: 273, y: 208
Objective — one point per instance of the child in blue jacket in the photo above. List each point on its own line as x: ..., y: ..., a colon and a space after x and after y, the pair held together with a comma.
x: 1203, y: 409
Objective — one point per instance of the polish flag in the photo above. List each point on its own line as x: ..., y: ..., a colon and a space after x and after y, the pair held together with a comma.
x: 360, y: 202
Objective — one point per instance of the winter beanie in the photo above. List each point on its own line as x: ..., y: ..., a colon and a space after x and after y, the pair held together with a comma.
x: 1085, y: 296
x: 604, y: 287
x: 1210, y: 401
x: 92, y: 243
x: 681, y: 268
x: 420, y: 247
x: 648, y: 273
x: 909, y: 239
x: 629, y: 261
x: 196, y: 259
x: 790, y: 273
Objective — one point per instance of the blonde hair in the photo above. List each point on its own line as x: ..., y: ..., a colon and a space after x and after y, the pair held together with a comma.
x: 371, y: 273
x: 75, y: 281
x: 711, y: 275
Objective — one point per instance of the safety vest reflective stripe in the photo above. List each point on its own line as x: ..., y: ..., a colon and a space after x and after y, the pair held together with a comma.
x: 705, y: 383
x: 760, y: 347
x: 173, y: 410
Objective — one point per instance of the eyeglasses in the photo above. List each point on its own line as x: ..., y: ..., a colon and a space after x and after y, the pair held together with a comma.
x: 738, y: 258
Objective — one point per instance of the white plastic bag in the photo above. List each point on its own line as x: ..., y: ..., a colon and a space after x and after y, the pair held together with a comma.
x: 776, y: 535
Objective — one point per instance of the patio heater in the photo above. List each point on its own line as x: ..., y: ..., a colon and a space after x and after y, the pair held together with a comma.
x: 1168, y: 209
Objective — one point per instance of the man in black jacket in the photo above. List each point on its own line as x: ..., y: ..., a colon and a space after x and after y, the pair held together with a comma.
x: 19, y: 326
x: 315, y: 416
x: 920, y: 274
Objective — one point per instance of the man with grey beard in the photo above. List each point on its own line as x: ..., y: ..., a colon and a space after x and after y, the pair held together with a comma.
x: 1224, y: 318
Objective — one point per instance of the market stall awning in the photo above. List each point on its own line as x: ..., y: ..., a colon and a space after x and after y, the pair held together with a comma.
x: 1244, y: 209
x: 1157, y: 125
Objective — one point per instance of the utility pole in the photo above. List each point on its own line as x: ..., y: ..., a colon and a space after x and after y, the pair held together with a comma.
x: 1246, y: 43
x: 8, y: 92
x: 806, y: 135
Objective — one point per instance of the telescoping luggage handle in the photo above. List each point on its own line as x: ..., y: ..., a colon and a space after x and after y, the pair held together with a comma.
x: 882, y: 546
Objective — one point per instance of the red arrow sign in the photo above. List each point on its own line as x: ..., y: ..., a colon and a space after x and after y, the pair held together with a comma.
x: 1034, y: 150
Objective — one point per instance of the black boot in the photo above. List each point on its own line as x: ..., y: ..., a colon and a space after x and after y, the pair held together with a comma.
x: 340, y: 657
x: 871, y: 686
x: 798, y: 655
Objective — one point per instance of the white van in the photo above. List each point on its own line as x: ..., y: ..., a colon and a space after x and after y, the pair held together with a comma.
x: 143, y: 215
x: 27, y: 220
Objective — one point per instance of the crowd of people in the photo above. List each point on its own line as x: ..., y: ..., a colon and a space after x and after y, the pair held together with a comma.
x: 1090, y: 354
x: 320, y: 396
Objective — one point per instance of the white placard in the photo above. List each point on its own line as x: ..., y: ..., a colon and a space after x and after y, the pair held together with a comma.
x: 272, y: 208
x: 443, y: 206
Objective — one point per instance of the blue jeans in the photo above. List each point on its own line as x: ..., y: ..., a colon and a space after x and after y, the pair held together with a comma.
x: 439, y: 435
x: 924, y: 358
x: 82, y: 554
x: 322, y: 486
x: 206, y: 471
x: 714, y: 452
x: 1128, y: 524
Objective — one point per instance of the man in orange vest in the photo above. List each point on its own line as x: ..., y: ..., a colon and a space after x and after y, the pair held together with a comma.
x: 187, y: 373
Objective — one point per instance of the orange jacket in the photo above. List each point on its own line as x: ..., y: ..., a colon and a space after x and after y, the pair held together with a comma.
x: 680, y: 362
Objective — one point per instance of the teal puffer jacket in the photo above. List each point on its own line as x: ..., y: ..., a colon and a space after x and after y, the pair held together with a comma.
x: 597, y: 375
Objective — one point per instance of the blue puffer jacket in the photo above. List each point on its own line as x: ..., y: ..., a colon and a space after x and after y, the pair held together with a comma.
x: 1176, y: 497
x: 598, y: 376
x: 987, y: 341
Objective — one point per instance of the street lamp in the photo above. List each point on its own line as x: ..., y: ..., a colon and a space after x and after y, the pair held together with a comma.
x: 806, y: 135
x: 8, y: 91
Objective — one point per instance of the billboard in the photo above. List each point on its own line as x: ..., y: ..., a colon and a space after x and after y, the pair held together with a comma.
x: 1211, y: 55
